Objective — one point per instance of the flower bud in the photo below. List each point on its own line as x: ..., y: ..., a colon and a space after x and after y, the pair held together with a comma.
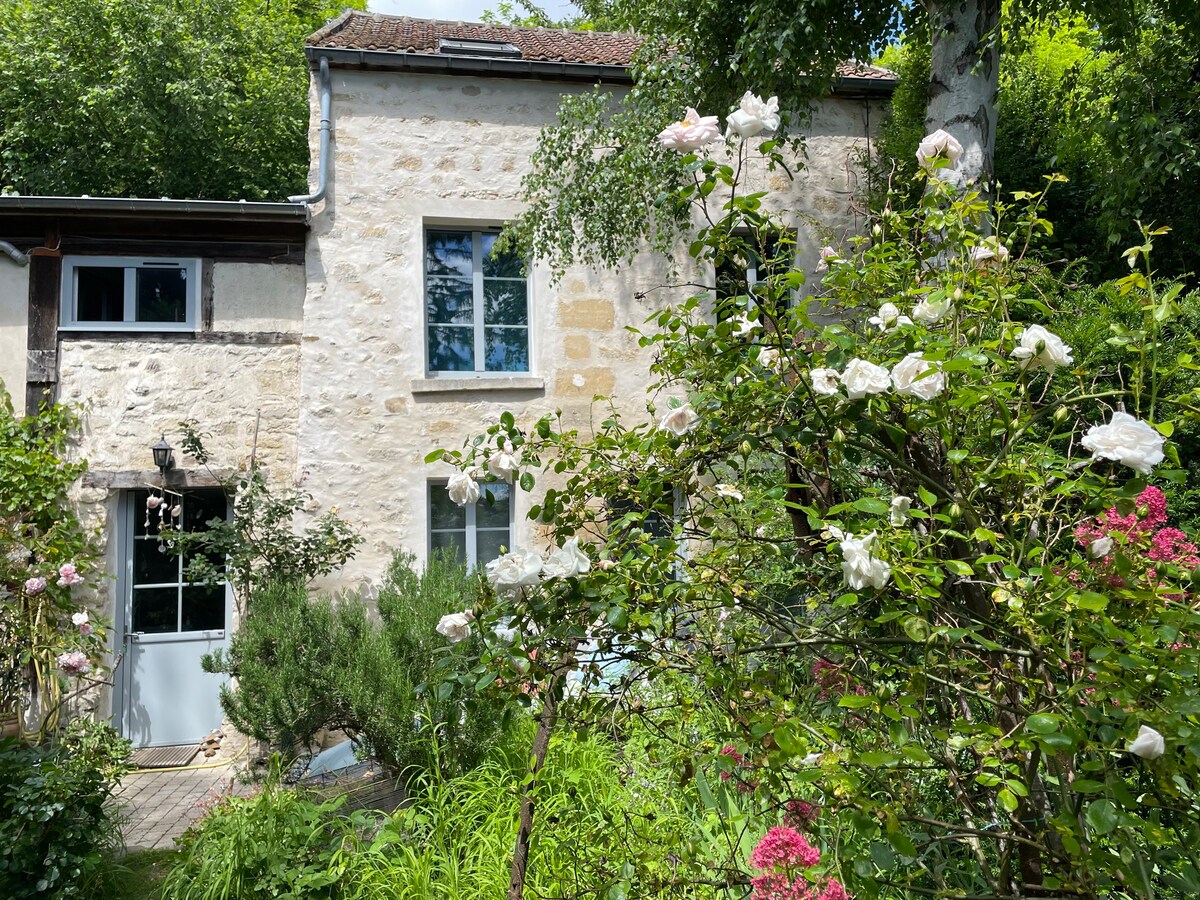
x: 745, y: 448
x: 839, y: 437
x: 955, y: 511
x: 958, y: 295
x: 1060, y: 413
x: 877, y: 231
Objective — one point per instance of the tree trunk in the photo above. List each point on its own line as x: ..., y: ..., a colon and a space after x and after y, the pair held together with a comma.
x: 964, y: 72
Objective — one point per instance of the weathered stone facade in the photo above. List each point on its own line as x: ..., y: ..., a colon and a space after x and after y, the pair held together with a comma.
x: 413, y: 151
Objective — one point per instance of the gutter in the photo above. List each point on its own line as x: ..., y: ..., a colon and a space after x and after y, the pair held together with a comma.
x: 113, y: 206
x: 452, y: 64
x: 323, y: 156
x: 21, y: 259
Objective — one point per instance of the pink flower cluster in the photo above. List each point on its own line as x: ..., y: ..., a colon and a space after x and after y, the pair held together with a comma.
x: 74, y: 662
x: 35, y: 585
x: 1145, y: 524
x: 834, y: 684
x: 782, y: 855
x: 67, y: 576
x: 736, y: 761
x: 784, y: 847
x: 801, y: 814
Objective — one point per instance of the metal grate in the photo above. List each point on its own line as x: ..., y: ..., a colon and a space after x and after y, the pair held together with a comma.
x: 163, y: 757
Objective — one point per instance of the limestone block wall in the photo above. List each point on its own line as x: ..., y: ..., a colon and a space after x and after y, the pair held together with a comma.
x: 131, y: 388
x: 14, y: 318
x: 414, y: 151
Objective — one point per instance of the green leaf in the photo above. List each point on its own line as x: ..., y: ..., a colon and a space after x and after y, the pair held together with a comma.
x: 927, y: 497
x: 957, y: 567
x: 1008, y: 800
x: 878, y: 759
x: 1043, y: 723
x: 1102, y: 816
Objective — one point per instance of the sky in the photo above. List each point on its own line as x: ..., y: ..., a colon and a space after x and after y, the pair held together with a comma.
x: 453, y: 10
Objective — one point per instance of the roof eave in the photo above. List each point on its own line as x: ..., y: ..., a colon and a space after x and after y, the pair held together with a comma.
x: 857, y: 86
x: 232, y: 210
x: 456, y: 64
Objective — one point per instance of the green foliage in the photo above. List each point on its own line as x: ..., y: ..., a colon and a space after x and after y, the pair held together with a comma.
x: 152, y: 98
x: 303, y: 664
x: 56, y: 818
x: 278, y: 843
x: 891, y: 586
x: 39, y: 533
x: 260, y: 541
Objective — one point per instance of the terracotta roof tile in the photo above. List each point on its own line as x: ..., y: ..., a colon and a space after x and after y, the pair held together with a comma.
x: 400, y: 34
x: 355, y: 30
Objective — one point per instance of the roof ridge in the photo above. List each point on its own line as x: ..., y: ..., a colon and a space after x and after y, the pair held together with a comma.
x: 332, y: 27
x: 378, y: 16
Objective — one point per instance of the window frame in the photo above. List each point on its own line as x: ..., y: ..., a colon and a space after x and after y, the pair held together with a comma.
x: 478, y: 326
x: 470, y: 529
x: 69, y: 319
x: 750, y: 273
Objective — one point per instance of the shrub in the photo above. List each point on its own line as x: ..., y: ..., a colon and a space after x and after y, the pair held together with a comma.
x: 304, y: 664
x: 56, y: 822
x: 278, y: 844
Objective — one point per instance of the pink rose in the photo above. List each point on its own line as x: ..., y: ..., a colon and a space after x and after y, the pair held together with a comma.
x: 35, y: 586
x: 691, y: 133
x: 67, y: 575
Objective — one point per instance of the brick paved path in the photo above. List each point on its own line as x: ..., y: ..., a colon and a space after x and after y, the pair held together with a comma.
x: 159, y: 806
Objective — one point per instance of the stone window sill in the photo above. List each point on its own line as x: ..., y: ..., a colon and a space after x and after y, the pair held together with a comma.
x: 471, y: 384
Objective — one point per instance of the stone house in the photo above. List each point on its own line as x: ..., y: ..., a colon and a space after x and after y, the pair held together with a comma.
x: 343, y: 335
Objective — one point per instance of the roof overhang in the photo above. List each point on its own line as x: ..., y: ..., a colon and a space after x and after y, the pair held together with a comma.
x: 453, y: 64
x: 135, y: 207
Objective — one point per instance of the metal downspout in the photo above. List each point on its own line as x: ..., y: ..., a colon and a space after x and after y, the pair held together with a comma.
x: 21, y: 259
x: 323, y: 157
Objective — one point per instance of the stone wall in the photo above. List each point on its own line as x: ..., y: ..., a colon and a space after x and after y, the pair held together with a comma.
x: 411, y: 151
x: 14, y: 314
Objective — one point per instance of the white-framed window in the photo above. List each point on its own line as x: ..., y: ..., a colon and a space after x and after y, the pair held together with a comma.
x: 476, y: 304
x: 738, y: 274
x: 123, y: 293
x: 475, y: 532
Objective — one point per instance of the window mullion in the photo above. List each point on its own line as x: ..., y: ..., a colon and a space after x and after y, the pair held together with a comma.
x: 130, y: 305
x: 477, y: 291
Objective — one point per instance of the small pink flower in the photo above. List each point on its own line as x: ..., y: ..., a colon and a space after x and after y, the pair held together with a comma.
x: 35, y: 585
x: 67, y: 575
x: 784, y: 846
x: 827, y: 254
x: 834, y: 891
x: 74, y: 663
x: 80, y: 621
x: 801, y: 813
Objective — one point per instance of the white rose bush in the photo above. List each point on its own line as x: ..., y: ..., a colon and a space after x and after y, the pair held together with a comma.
x: 919, y: 597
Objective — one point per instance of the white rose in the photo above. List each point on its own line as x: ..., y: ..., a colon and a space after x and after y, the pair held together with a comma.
x: 889, y: 318
x: 728, y: 490
x: 909, y: 378
x: 927, y: 311
x: 691, y: 133
x: 568, y: 561
x: 455, y: 627
x: 898, y: 514
x: 463, y: 488
x: 769, y: 358
x: 503, y: 462
x: 509, y: 573
x: 79, y: 618
x: 679, y: 421
x: 1148, y: 744
x: 744, y: 325
x: 753, y: 115
x: 1100, y: 547
x: 825, y: 381
x: 859, y: 567
x: 938, y: 144
x: 862, y: 378
x: 1126, y: 440
x: 1038, y: 348
x: 989, y: 253
x: 811, y: 760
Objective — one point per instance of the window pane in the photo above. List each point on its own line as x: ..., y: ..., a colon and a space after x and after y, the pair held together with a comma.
x: 500, y: 265
x: 448, y: 253
x: 204, y: 608
x: 99, y: 294
x: 201, y: 507
x: 507, y: 349
x: 444, y: 512
x: 155, y: 610
x: 488, y: 544
x: 162, y: 294
x: 505, y: 303
x: 455, y: 541
x: 451, y: 348
x: 449, y: 300
x: 496, y: 513
x: 154, y: 563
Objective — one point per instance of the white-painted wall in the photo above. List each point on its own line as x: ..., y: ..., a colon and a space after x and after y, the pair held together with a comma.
x: 14, y: 322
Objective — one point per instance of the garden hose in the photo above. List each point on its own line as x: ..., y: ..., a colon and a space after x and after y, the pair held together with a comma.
x: 213, y: 765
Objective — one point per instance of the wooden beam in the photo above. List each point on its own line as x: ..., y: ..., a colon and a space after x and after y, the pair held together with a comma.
x: 41, y: 367
x: 134, y: 479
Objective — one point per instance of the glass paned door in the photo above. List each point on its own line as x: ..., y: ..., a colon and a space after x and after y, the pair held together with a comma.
x: 170, y: 623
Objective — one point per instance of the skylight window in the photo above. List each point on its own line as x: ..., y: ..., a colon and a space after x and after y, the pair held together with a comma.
x: 478, y: 48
